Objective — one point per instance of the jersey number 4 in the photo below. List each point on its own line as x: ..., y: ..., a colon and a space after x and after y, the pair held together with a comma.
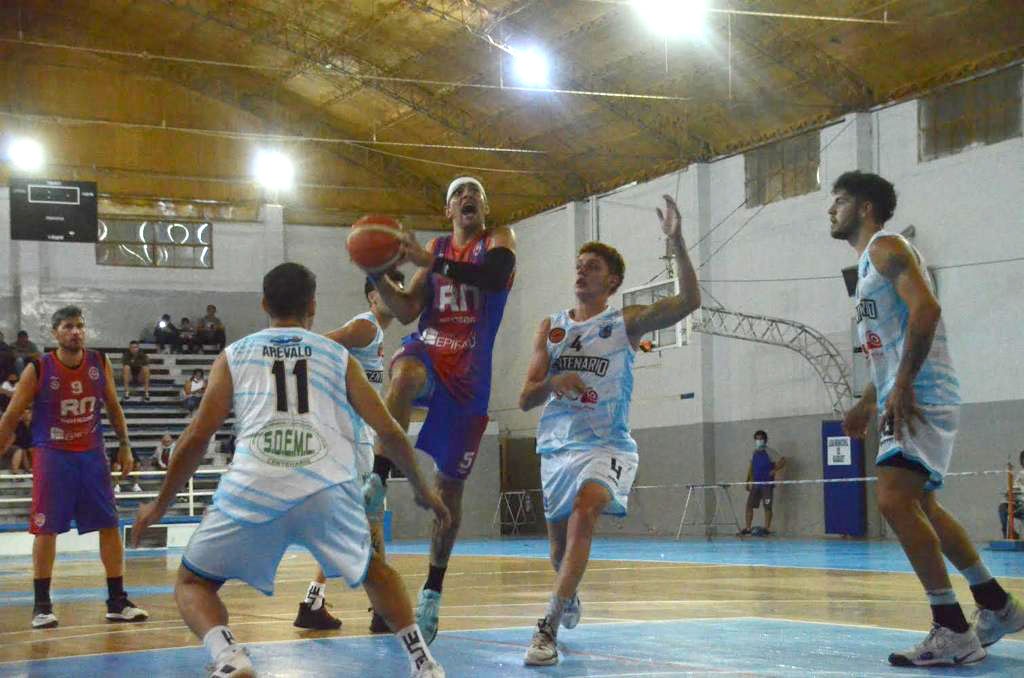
x: 301, y: 381
x: 576, y: 343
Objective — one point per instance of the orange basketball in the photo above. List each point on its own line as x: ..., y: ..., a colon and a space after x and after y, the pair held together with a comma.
x: 374, y: 243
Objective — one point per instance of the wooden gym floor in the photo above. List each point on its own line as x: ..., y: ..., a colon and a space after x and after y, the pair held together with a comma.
x: 650, y: 608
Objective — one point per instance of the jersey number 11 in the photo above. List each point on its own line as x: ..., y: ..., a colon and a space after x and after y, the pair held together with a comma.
x: 301, y: 380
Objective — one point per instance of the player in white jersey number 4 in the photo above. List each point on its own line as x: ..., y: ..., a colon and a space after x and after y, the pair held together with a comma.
x: 582, y: 372
x: 915, y: 387
x: 299, y: 402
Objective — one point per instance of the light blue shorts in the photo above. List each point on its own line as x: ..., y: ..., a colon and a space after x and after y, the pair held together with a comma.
x: 931, y: 446
x: 563, y: 473
x: 331, y: 524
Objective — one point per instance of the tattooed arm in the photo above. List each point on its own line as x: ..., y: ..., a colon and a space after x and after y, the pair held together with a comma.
x: 668, y: 311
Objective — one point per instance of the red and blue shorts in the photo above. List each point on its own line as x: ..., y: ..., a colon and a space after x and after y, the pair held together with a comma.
x: 452, y: 431
x: 70, y: 486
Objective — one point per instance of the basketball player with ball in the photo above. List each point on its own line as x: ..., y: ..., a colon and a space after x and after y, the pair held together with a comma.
x: 582, y: 373
x: 459, y: 295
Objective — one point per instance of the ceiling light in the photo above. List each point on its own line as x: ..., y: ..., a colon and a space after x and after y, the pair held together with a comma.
x: 25, y: 154
x: 274, y: 170
x: 674, y: 17
x: 531, y: 66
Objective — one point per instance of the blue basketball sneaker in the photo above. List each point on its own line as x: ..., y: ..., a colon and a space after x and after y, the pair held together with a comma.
x: 428, y: 608
x: 572, y: 612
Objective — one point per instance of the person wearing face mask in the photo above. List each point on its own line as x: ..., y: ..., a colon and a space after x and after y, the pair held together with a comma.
x: 763, y: 465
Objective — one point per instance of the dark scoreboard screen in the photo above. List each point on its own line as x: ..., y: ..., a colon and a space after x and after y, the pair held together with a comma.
x: 53, y: 211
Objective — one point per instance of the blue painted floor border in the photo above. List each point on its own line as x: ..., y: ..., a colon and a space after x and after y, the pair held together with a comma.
x: 746, y: 646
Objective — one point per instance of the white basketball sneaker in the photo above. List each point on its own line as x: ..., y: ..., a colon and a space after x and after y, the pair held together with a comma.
x: 43, y: 616
x: 991, y: 625
x: 430, y: 669
x: 232, y: 662
x: 543, y: 650
x: 942, y: 647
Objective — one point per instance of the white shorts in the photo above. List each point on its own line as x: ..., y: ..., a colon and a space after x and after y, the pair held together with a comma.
x: 331, y: 524
x: 931, y: 446
x: 562, y: 474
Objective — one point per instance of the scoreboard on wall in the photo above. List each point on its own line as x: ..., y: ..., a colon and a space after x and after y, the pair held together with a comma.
x: 53, y: 211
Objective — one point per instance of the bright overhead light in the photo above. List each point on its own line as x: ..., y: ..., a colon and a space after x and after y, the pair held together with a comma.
x: 674, y: 17
x: 531, y: 66
x: 25, y: 154
x: 274, y: 170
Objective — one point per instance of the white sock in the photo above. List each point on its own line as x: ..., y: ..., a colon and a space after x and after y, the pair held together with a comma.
x: 976, y: 574
x: 315, y: 595
x: 218, y: 639
x: 412, y: 642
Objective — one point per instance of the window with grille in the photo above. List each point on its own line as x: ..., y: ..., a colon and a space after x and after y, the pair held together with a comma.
x: 985, y: 110
x: 161, y: 244
x: 783, y: 169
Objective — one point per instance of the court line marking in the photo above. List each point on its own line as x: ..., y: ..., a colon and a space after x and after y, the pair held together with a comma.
x: 857, y: 626
x: 306, y: 640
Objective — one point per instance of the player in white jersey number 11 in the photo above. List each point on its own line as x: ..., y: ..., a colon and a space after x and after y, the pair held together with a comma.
x: 582, y: 372
x: 299, y: 401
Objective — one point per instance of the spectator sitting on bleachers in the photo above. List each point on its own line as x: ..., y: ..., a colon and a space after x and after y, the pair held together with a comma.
x: 194, y: 388
x: 210, y: 330
x: 188, y: 336
x: 7, y: 389
x: 6, y: 357
x: 135, y: 369
x: 162, y: 456
x: 115, y: 469
x: 1018, y: 500
x: 166, y: 334
x: 21, y: 446
x: 24, y: 351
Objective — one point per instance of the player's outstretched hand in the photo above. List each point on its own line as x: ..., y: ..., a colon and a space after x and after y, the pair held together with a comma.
x: 147, y: 515
x: 671, y: 220
x: 415, y: 253
x: 568, y: 385
x: 432, y: 500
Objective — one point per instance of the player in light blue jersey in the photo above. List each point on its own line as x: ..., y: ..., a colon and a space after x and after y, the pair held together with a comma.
x: 363, y: 336
x: 915, y: 394
x: 299, y: 401
x: 582, y: 372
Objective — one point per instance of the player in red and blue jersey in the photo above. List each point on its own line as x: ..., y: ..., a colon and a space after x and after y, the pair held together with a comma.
x: 67, y: 389
x: 459, y: 295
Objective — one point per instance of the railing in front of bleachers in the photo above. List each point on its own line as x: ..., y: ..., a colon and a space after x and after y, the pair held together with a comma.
x: 191, y: 493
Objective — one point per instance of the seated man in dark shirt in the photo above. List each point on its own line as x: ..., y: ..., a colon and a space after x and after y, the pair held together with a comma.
x: 166, y: 334
x: 210, y: 330
x: 135, y: 370
x: 21, y: 446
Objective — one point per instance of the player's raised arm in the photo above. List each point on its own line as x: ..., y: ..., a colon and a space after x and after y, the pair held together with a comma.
x: 668, y: 311
x: 406, y: 303
x: 191, y: 446
x: 24, y: 394
x: 492, y: 275
x: 356, y: 334
x: 370, y: 408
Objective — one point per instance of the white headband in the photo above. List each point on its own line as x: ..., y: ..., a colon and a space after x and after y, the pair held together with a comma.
x: 464, y: 180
